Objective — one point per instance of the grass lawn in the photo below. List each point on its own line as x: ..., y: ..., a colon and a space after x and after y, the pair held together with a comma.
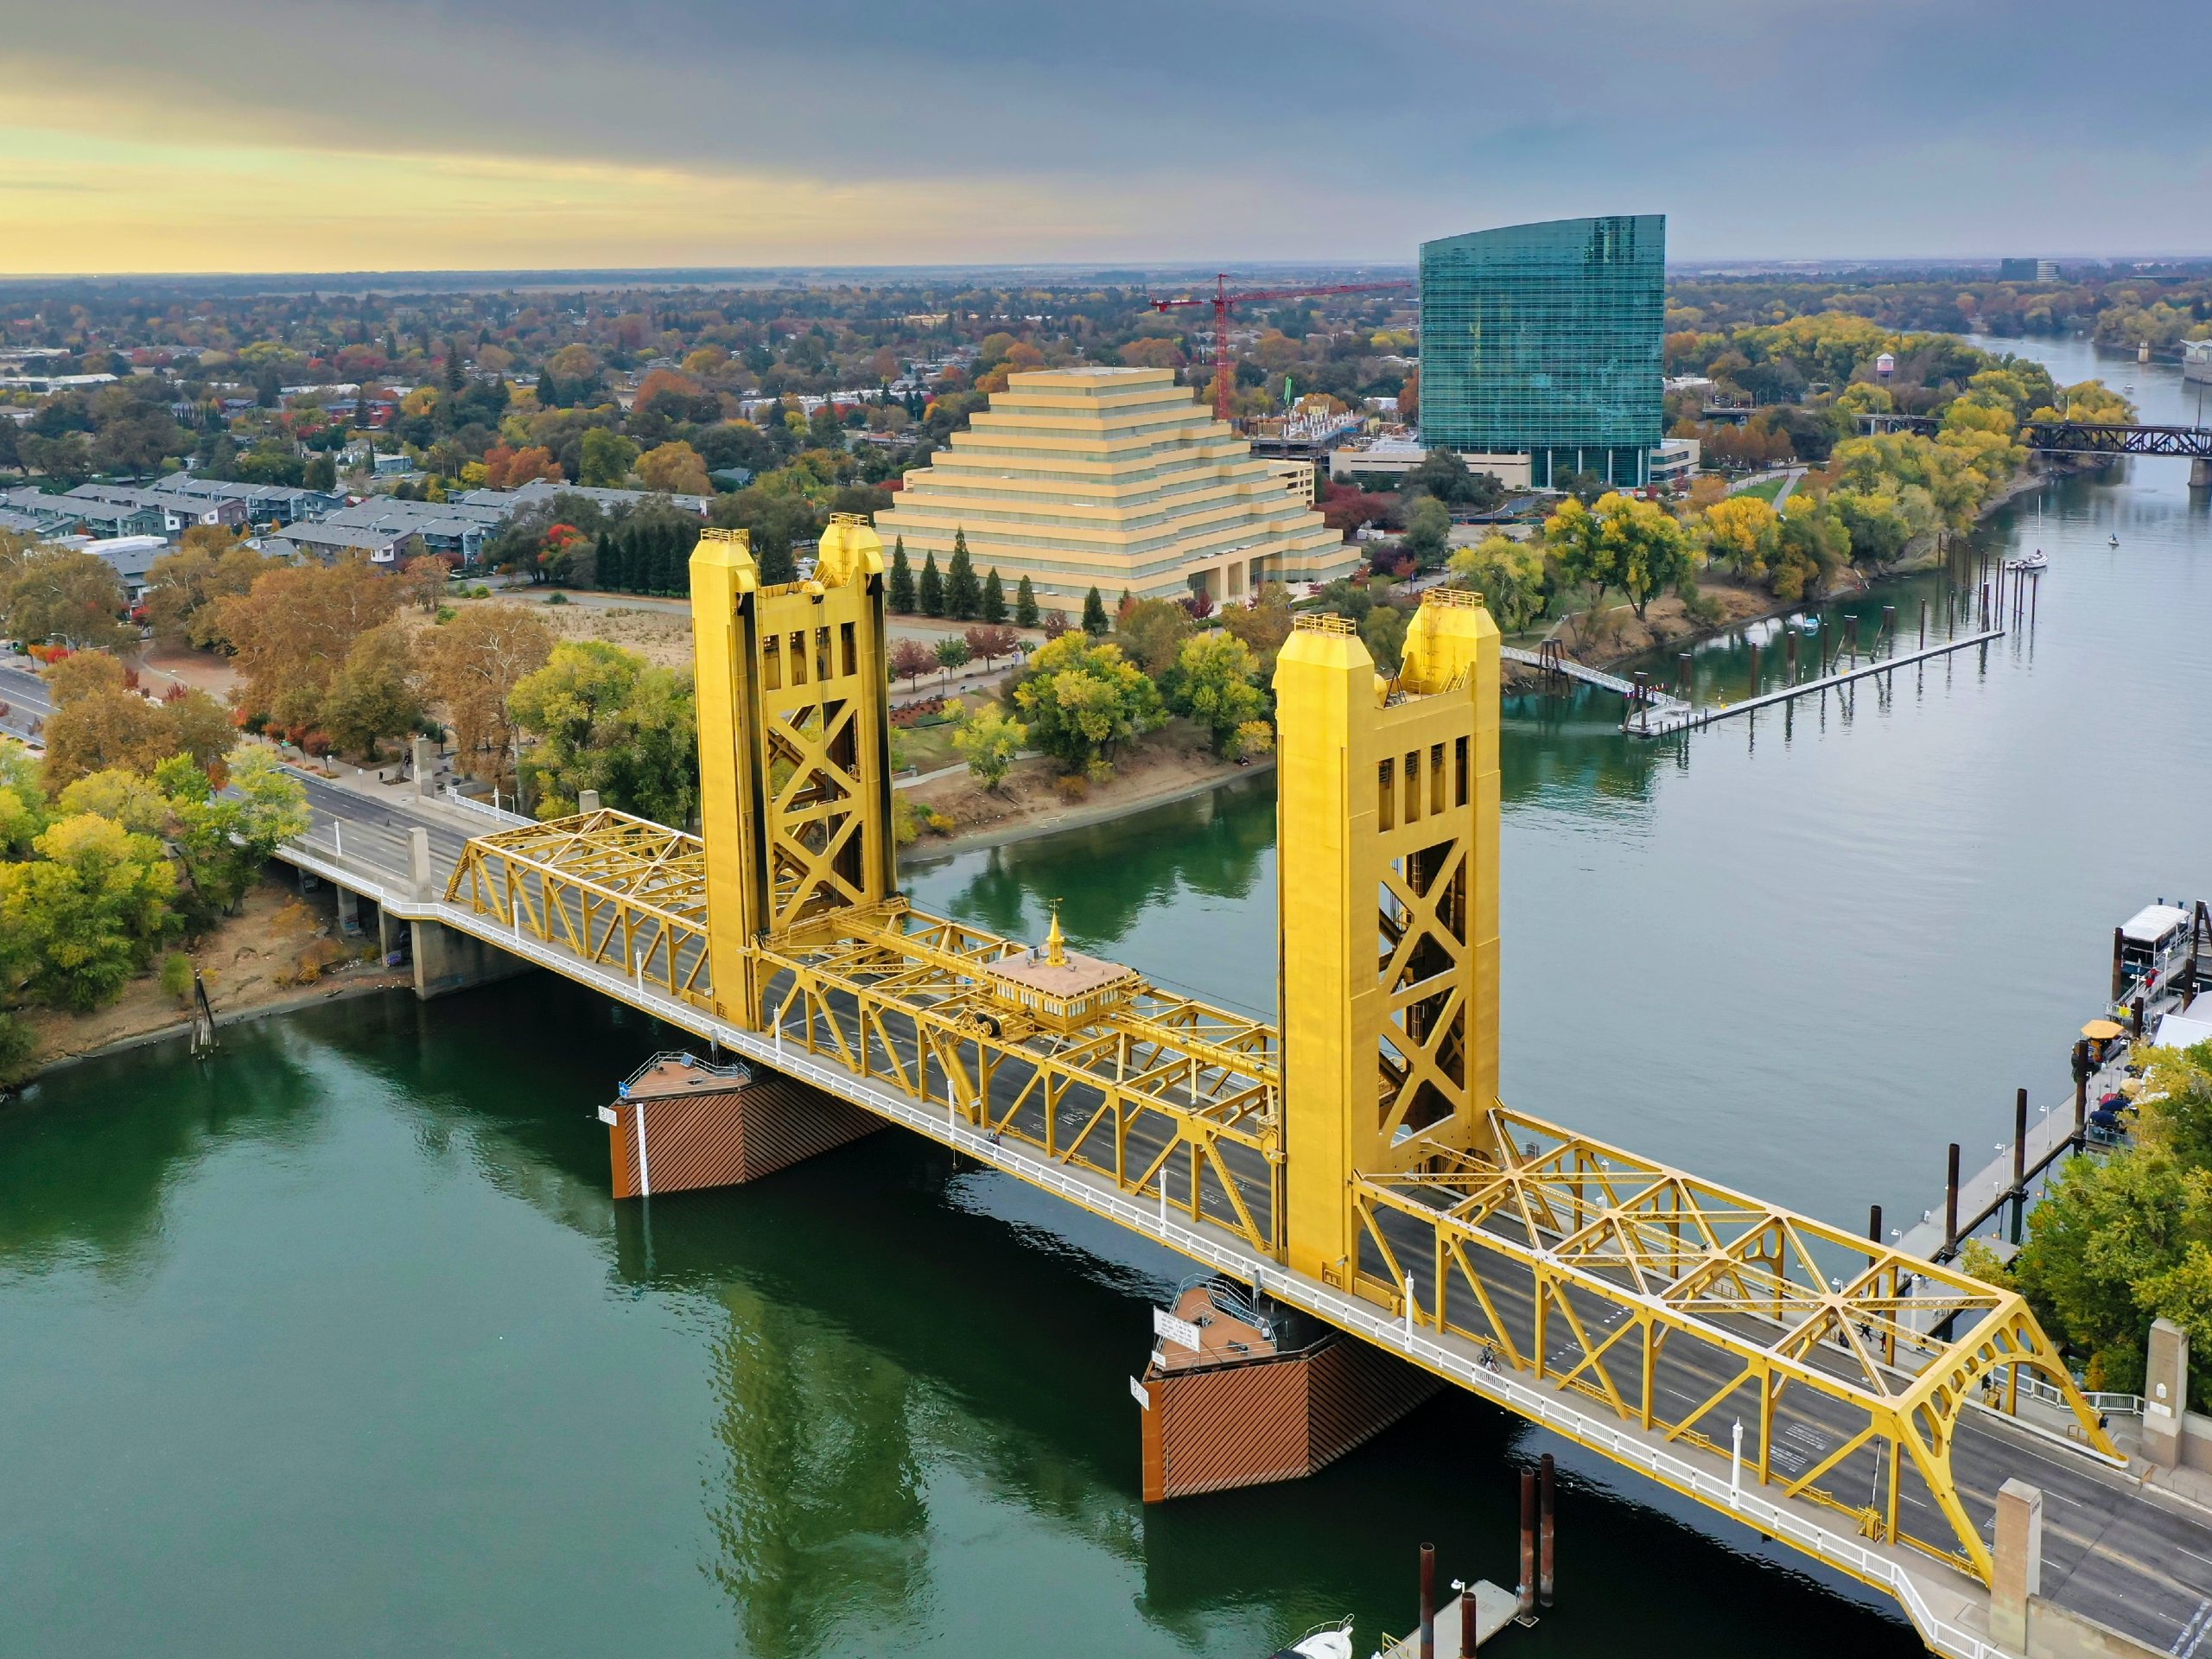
x: 1766, y: 489
x: 928, y: 748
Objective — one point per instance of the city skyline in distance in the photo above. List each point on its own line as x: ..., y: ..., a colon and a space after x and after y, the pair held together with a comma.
x: 298, y: 136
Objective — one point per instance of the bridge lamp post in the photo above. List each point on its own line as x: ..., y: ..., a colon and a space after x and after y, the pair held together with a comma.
x: 1735, y: 1467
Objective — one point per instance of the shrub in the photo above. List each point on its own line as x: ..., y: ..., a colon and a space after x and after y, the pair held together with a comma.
x: 1073, y: 787
x: 940, y: 823
x: 557, y: 598
x: 177, y: 975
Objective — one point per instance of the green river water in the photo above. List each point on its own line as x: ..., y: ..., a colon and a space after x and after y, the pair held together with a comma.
x: 337, y: 1344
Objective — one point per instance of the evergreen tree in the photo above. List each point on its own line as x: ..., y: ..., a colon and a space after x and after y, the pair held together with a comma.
x: 962, y: 595
x: 614, y: 558
x: 1093, y: 615
x: 901, y: 594
x: 932, y: 587
x: 777, y: 565
x: 993, y: 610
x: 1025, y: 614
x: 548, y: 391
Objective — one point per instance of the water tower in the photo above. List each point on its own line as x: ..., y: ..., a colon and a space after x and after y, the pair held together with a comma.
x: 1885, y: 365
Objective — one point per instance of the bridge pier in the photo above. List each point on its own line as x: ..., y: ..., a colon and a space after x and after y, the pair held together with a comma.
x: 2200, y: 473
x: 1268, y: 1396
x: 682, y: 1125
x: 448, y: 960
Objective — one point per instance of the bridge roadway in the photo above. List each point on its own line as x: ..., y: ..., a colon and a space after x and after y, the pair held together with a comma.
x: 2132, y: 1557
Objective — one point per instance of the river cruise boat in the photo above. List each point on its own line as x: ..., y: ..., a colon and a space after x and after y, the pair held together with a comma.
x: 2035, y: 561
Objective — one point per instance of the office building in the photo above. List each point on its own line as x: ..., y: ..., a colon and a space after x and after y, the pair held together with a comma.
x: 1544, y: 340
x: 1114, y: 479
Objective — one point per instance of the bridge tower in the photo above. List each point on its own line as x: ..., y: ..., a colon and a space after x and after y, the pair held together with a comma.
x: 1388, y: 822
x: 794, y: 763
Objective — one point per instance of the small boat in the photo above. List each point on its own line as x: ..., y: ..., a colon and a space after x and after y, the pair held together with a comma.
x: 1322, y: 1641
x: 2114, y: 542
x: 1806, y: 624
x: 2034, y: 561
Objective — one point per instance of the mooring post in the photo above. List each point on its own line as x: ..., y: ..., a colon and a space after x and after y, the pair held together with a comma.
x: 2119, y: 945
x: 1923, y: 623
x: 1951, y: 1202
x: 1545, y: 1480
x: 1683, y: 677
x: 1470, y: 1634
x: 2080, y: 1091
x: 2035, y: 593
x: 2135, y: 1012
x: 1875, y: 1223
x: 1755, y: 668
x: 1428, y: 1601
x: 1890, y: 625
x: 2019, y: 1162
x: 1525, y: 1592
x: 1790, y: 651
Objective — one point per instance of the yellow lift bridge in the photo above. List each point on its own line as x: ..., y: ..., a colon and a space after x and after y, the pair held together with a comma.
x: 1362, y: 1145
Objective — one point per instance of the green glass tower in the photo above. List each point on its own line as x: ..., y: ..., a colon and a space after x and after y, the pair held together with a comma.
x: 1545, y: 340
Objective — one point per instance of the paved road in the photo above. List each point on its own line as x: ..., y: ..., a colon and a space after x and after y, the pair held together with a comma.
x: 24, y: 693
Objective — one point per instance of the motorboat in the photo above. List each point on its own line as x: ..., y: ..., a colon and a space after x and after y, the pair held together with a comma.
x: 1807, y: 624
x: 2113, y: 542
x: 1323, y: 1642
x: 2035, y: 561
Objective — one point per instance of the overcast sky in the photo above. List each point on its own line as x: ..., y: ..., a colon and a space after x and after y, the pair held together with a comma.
x: 269, y: 135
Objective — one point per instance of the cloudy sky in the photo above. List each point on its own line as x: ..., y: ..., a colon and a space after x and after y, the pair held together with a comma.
x: 298, y: 134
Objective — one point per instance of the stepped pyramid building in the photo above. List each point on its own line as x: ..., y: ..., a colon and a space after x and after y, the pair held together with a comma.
x: 1114, y: 479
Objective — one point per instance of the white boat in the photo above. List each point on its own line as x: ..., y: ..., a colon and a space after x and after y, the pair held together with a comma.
x: 1806, y: 624
x: 1323, y: 1642
x: 2034, y: 561
x: 2114, y: 542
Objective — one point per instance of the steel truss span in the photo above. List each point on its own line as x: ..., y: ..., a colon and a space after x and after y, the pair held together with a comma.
x: 1687, y: 1309
x: 2076, y: 437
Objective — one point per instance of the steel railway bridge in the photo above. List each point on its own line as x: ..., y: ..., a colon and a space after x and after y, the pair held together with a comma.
x: 1863, y: 1406
x: 2075, y: 437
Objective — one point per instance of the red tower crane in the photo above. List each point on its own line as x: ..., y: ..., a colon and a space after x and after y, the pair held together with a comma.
x: 1223, y: 376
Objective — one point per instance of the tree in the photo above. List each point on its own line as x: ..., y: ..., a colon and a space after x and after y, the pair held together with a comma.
x: 1055, y: 624
x: 931, y: 588
x: 53, y: 592
x: 105, y: 729
x: 221, y: 842
x: 1445, y: 477
x: 1651, y: 555
x: 993, y: 607
x: 81, y: 674
x: 295, y: 628
x: 962, y: 598
x: 604, y: 459
x: 900, y: 590
x: 321, y: 472
x: 183, y: 588
x: 1428, y: 531
x: 991, y: 643
x: 951, y: 652
x: 910, y: 660
x: 81, y: 917
x: 1410, y: 397
x: 675, y: 469
x: 604, y: 719
x: 1094, y: 615
x: 1743, y: 532
x: 987, y: 740
x: 1509, y: 574
x: 1025, y: 604
x: 1383, y: 630
x: 1264, y: 625
x: 1152, y: 631
x: 373, y: 696
x: 1082, y: 698
x: 423, y: 581
x: 1215, y: 681
x: 471, y: 666
x: 1577, y: 539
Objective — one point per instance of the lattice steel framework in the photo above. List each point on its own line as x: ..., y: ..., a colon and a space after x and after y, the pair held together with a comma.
x: 619, y: 891
x: 1686, y: 1308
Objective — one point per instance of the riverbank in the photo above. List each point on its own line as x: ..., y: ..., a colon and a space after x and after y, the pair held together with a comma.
x: 1162, y: 766
x: 277, y: 954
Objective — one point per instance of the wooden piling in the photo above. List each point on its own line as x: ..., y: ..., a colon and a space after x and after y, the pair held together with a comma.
x: 1546, y: 1480
x: 1790, y: 650
x: 1470, y: 1634
x: 1526, y: 1590
x: 1923, y: 622
x: 1875, y: 1223
x: 2119, y: 945
x: 1428, y: 1601
x: 1951, y: 1202
x: 2136, y: 1016
x: 2081, y: 1092
x: 1755, y: 668
x: 2019, y: 1162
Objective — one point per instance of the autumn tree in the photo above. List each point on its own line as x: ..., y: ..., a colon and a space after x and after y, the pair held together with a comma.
x: 1509, y: 574
x: 82, y: 917
x: 675, y: 469
x: 988, y: 739
x: 1743, y: 532
x: 991, y: 643
x: 422, y: 582
x: 54, y: 593
x: 910, y: 660
x: 602, y: 718
x: 1152, y: 631
x: 471, y: 666
x: 82, y: 674
x: 373, y: 695
x: 183, y: 588
x: 1215, y: 681
x: 295, y: 628
x: 604, y: 459
x: 1082, y: 699
x: 1264, y: 625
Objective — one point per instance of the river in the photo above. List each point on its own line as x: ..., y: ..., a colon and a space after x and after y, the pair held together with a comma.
x: 338, y: 1344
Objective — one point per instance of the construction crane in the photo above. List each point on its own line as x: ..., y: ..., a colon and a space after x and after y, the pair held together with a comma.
x: 1223, y: 375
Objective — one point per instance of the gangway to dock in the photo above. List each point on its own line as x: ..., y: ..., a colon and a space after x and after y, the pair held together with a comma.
x: 1353, y: 1160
